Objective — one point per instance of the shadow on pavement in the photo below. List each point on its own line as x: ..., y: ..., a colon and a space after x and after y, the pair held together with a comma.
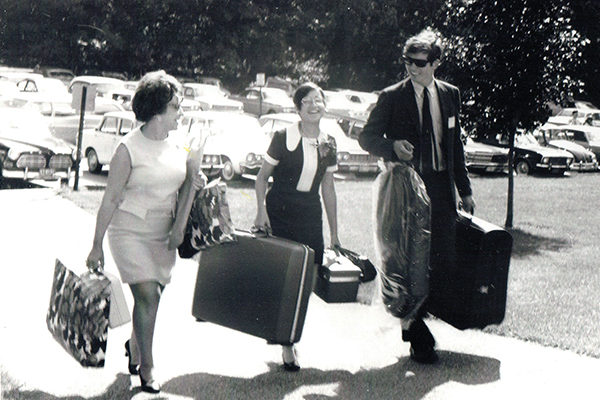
x: 402, y: 380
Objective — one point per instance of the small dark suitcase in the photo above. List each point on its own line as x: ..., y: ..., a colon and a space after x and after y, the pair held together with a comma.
x: 475, y: 295
x: 259, y: 285
x: 338, y: 279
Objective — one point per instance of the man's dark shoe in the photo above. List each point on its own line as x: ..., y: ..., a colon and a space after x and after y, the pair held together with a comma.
x: 422, y: 343
x: 427, y: 356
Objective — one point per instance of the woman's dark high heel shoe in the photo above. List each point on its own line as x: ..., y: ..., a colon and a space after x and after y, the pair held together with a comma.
x: 293, y: 365
x: 149, y: 387
x: 134, y: 369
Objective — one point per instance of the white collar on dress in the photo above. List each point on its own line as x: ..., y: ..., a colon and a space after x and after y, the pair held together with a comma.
x: 293, y: 136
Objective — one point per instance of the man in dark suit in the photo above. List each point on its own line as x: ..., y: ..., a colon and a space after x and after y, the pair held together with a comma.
x: 417, y: 120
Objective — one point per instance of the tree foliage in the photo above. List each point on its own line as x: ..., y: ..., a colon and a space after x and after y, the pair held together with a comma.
x: 511, y: 58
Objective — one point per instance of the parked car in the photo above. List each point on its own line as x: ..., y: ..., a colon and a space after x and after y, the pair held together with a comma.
x: 66, y: 126
x: 28, y: 151
x: 47, y: 104
x: 266, y: 100
x: 210, y: 97
x: 39, y: 84
x: 530, y: 157
x: 350, y: 156
x: 584, y: 135
x: 340, y: 106
x: 63, y: 74
x: 237, y: 137
x: 215, y: 82
x: 281, y: 83
x: 554, y: 136
x: 352, y: 126
x: 569, y: 116
x: 482, y: 157
x: 99, y: 144
x: 365, y: 99
x: 104, y: 86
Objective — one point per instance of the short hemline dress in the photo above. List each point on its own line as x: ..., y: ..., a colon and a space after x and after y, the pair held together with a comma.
x: 140, y: 226
x: 293, y: 201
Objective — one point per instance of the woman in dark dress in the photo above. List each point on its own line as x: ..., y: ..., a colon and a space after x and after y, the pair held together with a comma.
x: 300, y: 158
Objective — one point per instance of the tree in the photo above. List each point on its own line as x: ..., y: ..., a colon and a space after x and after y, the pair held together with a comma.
x: 585, y: 20
x: 510, y: 58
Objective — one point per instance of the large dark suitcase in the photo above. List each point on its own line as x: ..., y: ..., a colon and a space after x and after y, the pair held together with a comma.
x: 259, y: 285
x: 474, y: 296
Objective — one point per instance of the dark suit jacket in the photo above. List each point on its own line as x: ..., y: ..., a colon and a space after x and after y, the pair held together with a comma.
x: 396, y: 117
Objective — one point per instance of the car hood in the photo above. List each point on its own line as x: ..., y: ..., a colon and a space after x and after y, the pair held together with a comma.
x: 595, y: 144
x: 226, y: 143
x: 546, y: 151
x: 478, y: 147
x: 569, y: 146
x: 343, y: 142
x: 49, y: 144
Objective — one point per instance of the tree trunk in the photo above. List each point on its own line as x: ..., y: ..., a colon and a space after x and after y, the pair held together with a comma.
x: 511, y: 180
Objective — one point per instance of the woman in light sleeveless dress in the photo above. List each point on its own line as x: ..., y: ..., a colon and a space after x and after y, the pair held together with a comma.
x: 148, y: 173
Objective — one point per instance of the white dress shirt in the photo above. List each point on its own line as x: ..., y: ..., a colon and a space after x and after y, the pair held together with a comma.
x: 436, y: 118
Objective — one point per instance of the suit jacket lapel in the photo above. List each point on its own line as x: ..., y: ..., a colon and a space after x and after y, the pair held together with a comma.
x: 412, y: 103
x: 444, y: 101
x: 444, y: 104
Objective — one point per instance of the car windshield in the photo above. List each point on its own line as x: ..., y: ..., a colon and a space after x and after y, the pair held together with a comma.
x: 525, y: 140
x: 209, y: 90
x: 278, y: 95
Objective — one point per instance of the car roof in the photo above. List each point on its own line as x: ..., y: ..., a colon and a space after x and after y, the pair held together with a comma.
x: 589, y: 128
x: 91, y: 79
x: 121, y: 114
x: 197, y: 84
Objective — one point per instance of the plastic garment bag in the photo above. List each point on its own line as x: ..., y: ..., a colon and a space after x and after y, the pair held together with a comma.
x: 402, y: 238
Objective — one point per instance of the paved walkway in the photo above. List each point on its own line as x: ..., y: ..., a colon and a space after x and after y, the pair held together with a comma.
x: 348, y: 351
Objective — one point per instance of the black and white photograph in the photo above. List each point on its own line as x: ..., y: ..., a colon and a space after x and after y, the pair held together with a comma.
x: 299, y: 200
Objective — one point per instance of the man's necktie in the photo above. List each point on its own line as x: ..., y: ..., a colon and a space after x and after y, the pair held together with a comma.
x: 429, y: 159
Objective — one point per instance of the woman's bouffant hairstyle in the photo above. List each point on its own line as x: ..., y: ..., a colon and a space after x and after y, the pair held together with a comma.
x: 303, y: 90
x: 427, y: 41
x: 154, y: 91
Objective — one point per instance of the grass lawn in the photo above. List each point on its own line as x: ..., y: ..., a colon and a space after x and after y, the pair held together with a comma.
x: 554, y: 280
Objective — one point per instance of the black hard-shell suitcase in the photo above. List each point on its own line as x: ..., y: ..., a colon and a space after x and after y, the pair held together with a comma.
x: 259, y: 285
x: 475, y: 295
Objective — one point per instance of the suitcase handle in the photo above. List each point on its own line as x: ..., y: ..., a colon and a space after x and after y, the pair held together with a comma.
x: 463, y: 214
x: 259, y: 231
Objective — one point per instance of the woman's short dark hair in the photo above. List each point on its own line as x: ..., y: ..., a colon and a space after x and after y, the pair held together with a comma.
x: 303, y: 90
x: 427, y: 41
x: 154, y: 91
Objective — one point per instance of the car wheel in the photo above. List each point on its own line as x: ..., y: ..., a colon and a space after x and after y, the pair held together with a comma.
x: 94, y: 165
x: 523, y: 167
x: 227, y: 173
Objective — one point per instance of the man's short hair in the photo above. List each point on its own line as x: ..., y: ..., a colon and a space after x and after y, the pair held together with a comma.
x: 427, y: 41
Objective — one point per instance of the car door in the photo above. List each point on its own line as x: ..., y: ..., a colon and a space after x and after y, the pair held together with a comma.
x: 125, y: 126
x: 106, y: 139
x: 252, y: 101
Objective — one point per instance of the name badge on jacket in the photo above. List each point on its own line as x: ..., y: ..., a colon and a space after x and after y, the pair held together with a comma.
x: 451, y: 122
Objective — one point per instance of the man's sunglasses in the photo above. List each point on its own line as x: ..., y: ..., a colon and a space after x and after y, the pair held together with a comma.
x: 418, y: 63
